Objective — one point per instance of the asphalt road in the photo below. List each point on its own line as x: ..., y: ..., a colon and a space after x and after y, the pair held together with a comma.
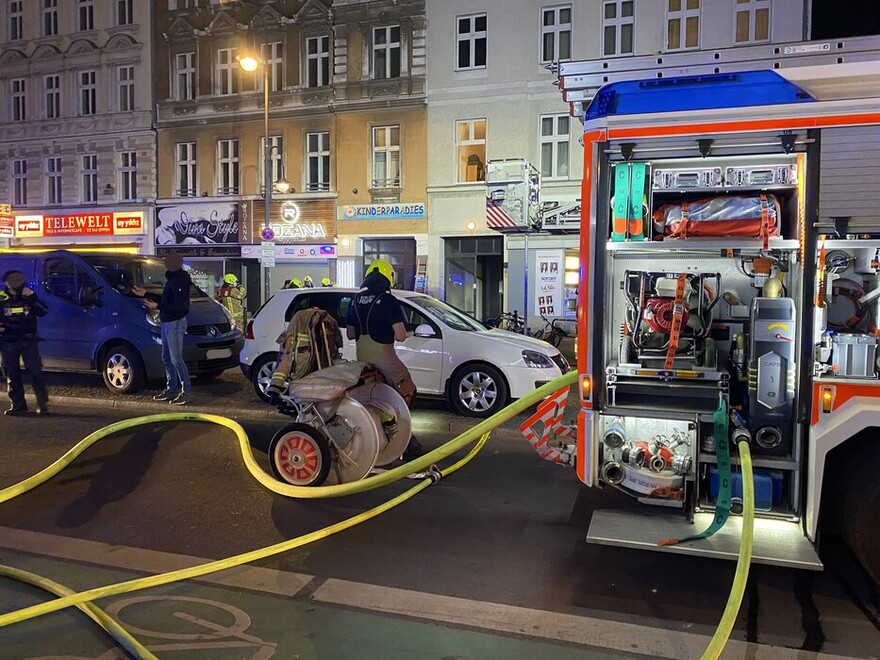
x: 496, y: 551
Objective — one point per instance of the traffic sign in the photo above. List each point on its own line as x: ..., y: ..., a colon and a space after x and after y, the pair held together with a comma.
x: 267, y: 254
x: 267, y: 234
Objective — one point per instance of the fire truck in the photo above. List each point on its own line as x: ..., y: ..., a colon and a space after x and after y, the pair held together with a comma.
x: 730, y: 256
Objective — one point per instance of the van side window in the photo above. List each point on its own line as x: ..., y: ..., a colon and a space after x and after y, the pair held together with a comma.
x: 64, y: 279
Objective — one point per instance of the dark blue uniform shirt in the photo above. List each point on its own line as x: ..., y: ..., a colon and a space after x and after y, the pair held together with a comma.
x: 374, y: 314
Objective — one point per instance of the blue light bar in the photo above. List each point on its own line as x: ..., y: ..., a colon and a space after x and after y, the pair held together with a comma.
x: 720, y: 90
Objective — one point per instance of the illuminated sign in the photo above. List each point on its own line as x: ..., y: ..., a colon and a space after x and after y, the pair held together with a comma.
x: 197, y: 224
x: 291, y: 252
x: 7, y: 225
x: 80, y: 224
x: 384, y: 212
x: 292, y: 227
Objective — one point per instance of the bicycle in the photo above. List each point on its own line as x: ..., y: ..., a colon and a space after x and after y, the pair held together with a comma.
x: 552, y: 333
x: 507, y: 321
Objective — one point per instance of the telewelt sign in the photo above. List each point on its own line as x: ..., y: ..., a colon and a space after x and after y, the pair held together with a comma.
x: 80, y: 224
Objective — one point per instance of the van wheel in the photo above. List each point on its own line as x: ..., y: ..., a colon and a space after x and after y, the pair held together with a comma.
x: 122, y: 369
x: 478, y: 390
x: 299, y: 454
x: 263, y: 368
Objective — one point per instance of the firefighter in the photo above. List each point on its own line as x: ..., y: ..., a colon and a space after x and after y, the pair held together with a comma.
x: 326, y: 282
x: 19, y: 309
x: 232, y: 295
x: 292, y: 284
x: 375, y: 321
x: 307, y: 282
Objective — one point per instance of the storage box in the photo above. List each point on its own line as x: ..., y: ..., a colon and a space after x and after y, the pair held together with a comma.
x: 768, y: 487
x: 853, y: 355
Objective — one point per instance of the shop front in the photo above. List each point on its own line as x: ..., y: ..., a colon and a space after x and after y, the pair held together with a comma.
x: 93, y: 230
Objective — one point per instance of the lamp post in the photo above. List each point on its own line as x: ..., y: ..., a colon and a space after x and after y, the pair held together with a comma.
x: 250, y: 63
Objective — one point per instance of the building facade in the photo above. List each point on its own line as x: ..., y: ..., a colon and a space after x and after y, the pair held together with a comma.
x: 80, y: 163
x: 491, y: 97
x: 347, y: 129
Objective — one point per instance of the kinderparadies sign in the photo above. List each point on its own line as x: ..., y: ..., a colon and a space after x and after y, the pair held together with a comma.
x: 197, y: 224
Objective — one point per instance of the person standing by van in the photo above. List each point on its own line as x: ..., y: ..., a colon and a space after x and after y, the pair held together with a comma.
x: 375, y: 320
x: 231, y: 295
x: 19, y: 309
x: 173, y: 306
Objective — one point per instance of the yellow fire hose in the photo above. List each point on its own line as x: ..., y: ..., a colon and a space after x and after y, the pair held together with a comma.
x: 479, y: 434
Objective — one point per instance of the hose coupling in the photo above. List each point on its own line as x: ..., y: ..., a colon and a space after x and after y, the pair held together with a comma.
x: 434, y: 474
x: 613, y: 473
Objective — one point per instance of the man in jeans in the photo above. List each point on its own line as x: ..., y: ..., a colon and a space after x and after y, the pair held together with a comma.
x: 173, y: 306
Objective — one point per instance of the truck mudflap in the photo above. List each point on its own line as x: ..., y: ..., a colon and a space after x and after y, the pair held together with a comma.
x: 777, y: 542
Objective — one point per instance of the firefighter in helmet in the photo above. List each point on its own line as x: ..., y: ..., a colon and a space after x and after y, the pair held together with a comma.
x: 232, y: 295
x: 293, y: 284
x: 307, y: 282
x: 325, y: 282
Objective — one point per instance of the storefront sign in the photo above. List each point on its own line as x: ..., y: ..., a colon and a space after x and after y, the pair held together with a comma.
x: 7, y: 225
x: 548, y: 282
x: 199, y: 250
x: 290, y: 252
x: 385, y: 212
x: 294, y: 221
x: 80, y: 224
x: 193, y: 224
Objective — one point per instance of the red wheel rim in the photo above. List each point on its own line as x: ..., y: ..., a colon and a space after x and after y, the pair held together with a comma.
x: 298, y: 457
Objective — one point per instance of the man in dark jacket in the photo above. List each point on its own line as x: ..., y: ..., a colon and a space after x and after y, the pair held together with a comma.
x: 173, y: 306
x: 19, y: 309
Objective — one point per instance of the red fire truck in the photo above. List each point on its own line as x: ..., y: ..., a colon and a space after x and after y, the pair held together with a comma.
x: 730, y: 257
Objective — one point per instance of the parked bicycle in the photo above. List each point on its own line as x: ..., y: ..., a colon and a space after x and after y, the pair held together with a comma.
x: 507, y: 321
x: 552, y: 332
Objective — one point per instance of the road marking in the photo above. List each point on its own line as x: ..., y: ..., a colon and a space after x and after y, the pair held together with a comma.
x: 519, y: 621
x: 492, y: 617
x: 141, y: 560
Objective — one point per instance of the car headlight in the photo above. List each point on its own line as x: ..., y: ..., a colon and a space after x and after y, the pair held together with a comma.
x: 537, y: 360
x: 153, y: 318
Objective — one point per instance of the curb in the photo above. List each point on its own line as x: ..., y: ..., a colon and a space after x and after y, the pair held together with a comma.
x: 263, y: 413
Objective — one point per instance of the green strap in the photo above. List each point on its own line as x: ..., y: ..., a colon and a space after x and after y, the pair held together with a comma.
x: 722, y: 505
x: 636, y: 199
x: 621, y: 199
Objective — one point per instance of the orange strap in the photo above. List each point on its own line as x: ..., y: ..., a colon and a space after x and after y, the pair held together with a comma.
x: 677, y: 316
x: 765, y: 223
x: 684, y: 220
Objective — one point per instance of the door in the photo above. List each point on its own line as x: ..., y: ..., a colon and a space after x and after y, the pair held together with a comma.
x: 423, y: 356
x: 71, y: 330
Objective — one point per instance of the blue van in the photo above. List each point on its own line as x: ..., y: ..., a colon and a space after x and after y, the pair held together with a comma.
x: 95, y: 323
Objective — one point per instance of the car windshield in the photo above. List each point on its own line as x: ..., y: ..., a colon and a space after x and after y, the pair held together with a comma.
x: 146, y: 273
x: 454, y: 318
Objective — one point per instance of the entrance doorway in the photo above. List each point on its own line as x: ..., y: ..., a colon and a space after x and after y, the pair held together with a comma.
x: 474, y: 275
x: 400, y: 253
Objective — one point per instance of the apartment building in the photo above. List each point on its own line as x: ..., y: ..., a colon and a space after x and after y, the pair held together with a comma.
x: 76, y: 128
x: 491, y: 97
x: 347, y: 126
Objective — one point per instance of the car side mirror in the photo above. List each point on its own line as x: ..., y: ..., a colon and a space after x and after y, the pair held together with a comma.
x: 424, y: 330
x: 90, y: 296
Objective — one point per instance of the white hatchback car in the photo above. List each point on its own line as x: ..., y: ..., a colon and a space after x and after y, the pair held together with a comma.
x: 477, y: 369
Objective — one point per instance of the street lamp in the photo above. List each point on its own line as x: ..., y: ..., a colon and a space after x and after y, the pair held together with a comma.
x: 251, y: 63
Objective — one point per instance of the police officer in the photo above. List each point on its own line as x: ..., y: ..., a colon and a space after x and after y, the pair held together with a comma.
x: 375, y: 321
x: 231, y: 295
x: 19, y: 309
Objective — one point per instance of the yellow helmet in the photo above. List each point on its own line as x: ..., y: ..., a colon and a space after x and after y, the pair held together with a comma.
x: 307, y: 278
x: 384, y: 268
x: 231, y: 279
x: 326, y: 282
x: 295, y: 283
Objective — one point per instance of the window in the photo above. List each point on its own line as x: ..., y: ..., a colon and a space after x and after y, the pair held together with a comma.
x: 470, y: 147
x: 184, y: 76
x: 64, y: 279
x: 386, y: 157
x: 318, y: 162
x: 227, y: 170
x: 276, y: 153
x: 125, y: 88
x: 18, y: 97
x: 86, y: 15
x: 554, y: 146
x: 87, y: 93
x: 618, y: 25
x: 50, y: 18
x: 556, y: 34
x: 682, y: 24
x: 186, y: 169
x: 16, y: 20
x: 90, y: 178
x: 53, y: 180
x: 227, y: 72
x: 272, y: 58
x: 182, y: 4
x: 470, y: 42
x: 386, y: 52
x: 124, y: 12
x: 128, y: 175
x: 52, y: 92
x: 317, y: 61
x: 19, y: 182
x: 752, y: 21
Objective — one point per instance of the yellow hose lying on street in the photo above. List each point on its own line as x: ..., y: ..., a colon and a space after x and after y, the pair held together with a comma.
x: 744, y: 558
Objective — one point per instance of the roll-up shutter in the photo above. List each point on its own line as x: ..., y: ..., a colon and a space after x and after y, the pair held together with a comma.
x: 850, y: 176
